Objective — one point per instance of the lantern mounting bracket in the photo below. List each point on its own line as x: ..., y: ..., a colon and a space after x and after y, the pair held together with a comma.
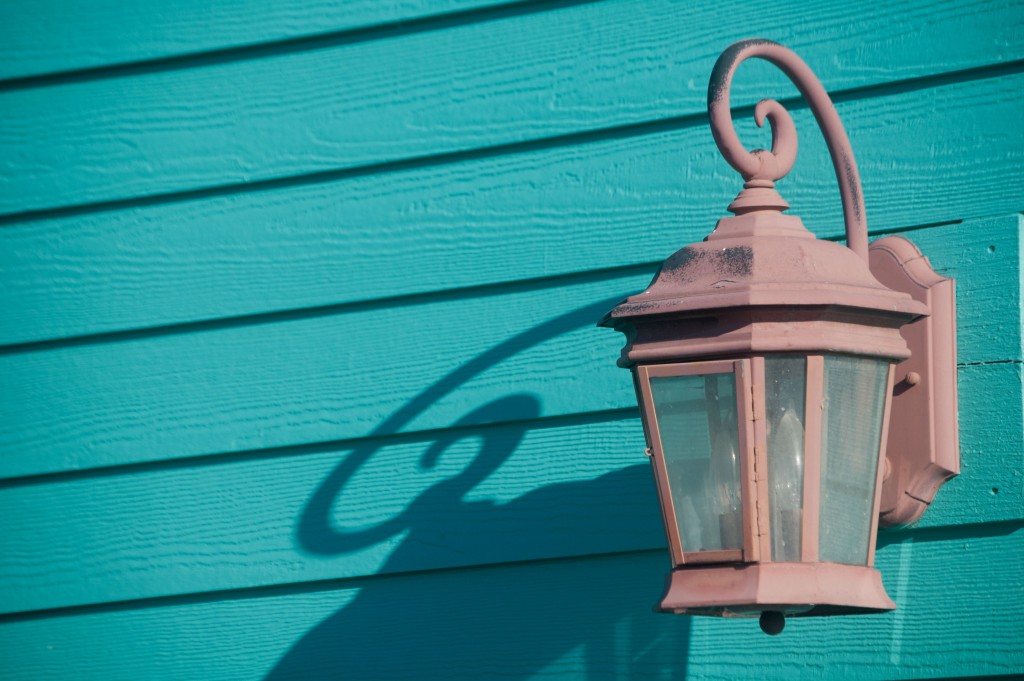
x: 923, y: 446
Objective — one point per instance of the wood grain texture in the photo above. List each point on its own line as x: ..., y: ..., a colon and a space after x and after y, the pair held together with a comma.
x: 584, y: 618
x: 991, y: 482
x: 329, y: 376
x: 539, y: 213
x: 39, y: 37
x: 298, y: 372
x: 982, y: 256
x: 313, y: 378
x: 467, y: 87
x: 497, y: 494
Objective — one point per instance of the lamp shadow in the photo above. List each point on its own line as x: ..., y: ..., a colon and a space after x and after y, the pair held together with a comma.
x: 506, y: 600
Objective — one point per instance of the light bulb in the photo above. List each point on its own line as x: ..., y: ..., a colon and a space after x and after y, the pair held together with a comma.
x: 786, y: 466
x: 725, y: 466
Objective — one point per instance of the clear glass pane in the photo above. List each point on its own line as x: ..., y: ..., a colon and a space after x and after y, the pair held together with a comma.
x: 854, y: 401
x: 698, y: 426
x: 785, y: 394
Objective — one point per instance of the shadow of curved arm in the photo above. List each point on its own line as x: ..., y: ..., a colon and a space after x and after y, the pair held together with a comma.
x: 318, y: 535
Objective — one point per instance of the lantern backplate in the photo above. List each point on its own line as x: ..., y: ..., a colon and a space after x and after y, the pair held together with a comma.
x: 923, y: 449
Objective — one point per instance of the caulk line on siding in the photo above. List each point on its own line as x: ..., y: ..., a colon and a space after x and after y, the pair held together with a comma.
x: 578, y: 138
x: 903, y: 585
x: 991, y: 361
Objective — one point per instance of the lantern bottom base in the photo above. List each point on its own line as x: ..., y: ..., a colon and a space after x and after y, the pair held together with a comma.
x: 795, y: 589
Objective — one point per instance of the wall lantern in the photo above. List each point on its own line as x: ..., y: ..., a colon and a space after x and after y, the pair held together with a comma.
x: 774, y: 372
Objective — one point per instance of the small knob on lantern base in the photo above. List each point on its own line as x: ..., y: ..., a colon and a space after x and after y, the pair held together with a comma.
x: 772, y: 622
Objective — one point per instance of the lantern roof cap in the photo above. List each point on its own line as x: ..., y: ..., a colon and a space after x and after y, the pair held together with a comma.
x: 763, y: 259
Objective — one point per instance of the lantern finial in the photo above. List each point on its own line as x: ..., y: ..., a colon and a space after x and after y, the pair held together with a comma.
x: 760, y: 168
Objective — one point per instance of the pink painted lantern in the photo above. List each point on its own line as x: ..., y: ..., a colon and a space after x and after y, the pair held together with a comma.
x: 766, y: 362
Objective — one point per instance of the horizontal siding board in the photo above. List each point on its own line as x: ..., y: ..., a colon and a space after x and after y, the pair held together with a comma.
x: 39, y: 37
x: 466, y: 87
x: 990, y: 486
x: 563, y: 490
x: 986, y: 259
x: 585, y: 619
x: 312, y: 379
x: 538, y: 213
x: 379, y: 328
x: 496, y: 494
x: 379, y: 370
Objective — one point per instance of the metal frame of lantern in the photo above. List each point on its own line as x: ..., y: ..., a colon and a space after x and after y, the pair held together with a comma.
x: 722, y: 317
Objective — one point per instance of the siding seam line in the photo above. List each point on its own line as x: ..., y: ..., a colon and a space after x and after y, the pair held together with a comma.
x: 506, y: 287
x: 997, y: 528
x: 209, y: 459
x: 285, y: 46
x: 577, y: 138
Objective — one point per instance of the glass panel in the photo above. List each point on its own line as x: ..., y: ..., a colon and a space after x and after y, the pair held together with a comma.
x: 784, y: 396
x: 854, y: 401
x: 698, y: 427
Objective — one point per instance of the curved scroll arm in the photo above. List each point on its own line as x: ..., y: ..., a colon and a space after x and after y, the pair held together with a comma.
x: 767, y: 166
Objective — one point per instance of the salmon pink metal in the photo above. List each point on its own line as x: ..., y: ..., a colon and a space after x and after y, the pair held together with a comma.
x: 765, y: 363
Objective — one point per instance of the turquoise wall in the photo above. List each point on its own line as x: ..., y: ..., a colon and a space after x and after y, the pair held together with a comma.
x: 299, y: 377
